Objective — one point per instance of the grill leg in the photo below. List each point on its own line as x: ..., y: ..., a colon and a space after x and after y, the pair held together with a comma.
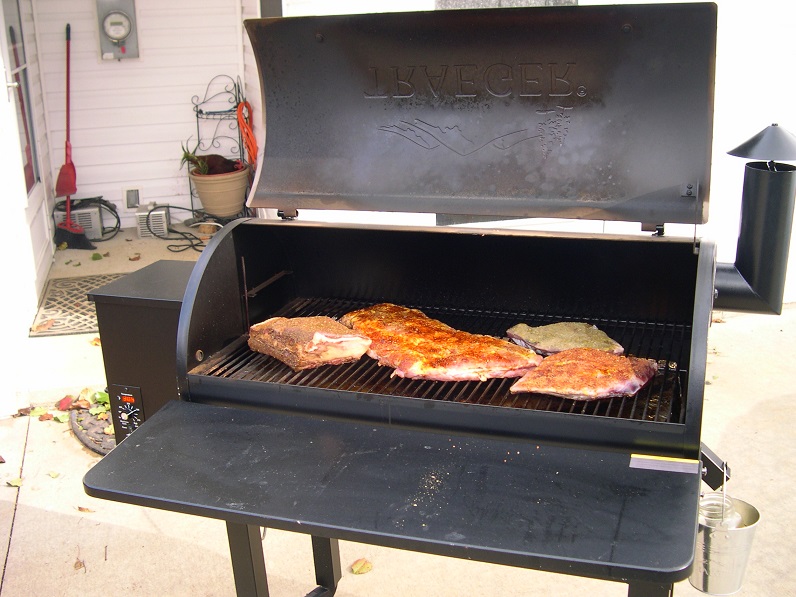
x: 326, y: 555
x: 649, y: 589
x: 248, y: 563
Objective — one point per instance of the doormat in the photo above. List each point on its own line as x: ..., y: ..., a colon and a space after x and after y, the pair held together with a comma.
x: 66, y: 309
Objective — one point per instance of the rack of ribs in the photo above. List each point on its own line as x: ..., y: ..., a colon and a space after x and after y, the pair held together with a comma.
x: 419, y: 347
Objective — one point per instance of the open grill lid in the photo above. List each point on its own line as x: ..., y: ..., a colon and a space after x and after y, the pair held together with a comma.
x: 575, y: 112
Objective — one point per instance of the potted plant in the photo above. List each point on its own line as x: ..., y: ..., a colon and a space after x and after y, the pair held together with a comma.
x: 220, y: 183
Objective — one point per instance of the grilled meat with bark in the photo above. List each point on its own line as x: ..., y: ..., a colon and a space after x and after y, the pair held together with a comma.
x: 420, y: 347
x: 307, y: 342
x: 587, y: 374
x: 553, y: 338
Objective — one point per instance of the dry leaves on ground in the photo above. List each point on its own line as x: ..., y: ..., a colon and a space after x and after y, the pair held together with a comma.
x: 361, y: 566
x: 43, y: 326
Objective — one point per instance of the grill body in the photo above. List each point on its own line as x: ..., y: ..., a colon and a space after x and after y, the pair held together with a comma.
x: 651, y: 296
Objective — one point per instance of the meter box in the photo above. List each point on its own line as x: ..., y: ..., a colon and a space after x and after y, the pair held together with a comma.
x: 117, y: 29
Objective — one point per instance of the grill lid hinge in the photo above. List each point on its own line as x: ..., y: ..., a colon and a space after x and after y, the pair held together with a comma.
x: 287, y: 214
x: 656, y: 229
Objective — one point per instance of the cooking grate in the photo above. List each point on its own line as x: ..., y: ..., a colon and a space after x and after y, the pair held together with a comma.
x: 660, y: 401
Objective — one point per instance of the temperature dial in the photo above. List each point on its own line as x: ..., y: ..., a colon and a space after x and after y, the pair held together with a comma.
x: 129, y: 417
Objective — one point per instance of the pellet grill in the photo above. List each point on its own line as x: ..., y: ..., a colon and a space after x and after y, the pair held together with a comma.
x: 600, y: 113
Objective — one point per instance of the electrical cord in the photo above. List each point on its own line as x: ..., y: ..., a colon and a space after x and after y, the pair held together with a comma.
x: 246, y: 131
x: 190, y: 240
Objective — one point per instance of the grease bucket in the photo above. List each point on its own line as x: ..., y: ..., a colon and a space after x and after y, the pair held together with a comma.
x: 724, y: 541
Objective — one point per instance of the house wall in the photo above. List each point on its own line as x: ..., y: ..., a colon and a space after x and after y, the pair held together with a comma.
x: 129, y: 117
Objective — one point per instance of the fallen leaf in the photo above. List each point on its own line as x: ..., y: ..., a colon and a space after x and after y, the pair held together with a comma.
x: 108, y: 254
x: 81, y: 403
x: 102, y: 398
x: 80, y: 564
x: 37, y: 411
x: 23, y: 412
x: 135, y: 257
x: 361, y: 566
x: 96, y: 257
x: 44, y: 325
x: 103, y: 416
x: 84, y: 509
x: 108, y: 430
x: 54, y: 474
x: 96, y: 341
x: 98, y: 410
x: 61, y: 418
x: 63, y: 247
x: 15, y: 482
x: 65, y: 402
x: 76, y: 264
x: 46, y: 417
x: 2, y: 460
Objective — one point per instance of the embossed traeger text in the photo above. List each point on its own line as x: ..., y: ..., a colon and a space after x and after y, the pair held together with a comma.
x: 524, y: 80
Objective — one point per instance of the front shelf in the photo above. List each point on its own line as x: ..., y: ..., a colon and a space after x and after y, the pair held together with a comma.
x: 575, y: 511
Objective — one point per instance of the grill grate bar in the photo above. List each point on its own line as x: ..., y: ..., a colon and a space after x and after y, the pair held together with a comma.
x: 659, y: 401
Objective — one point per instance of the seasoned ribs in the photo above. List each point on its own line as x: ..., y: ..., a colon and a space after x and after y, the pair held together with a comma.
x: 307, y: 342
x: 587, y: 374
x: 420, y: 347
x: 549, y: 339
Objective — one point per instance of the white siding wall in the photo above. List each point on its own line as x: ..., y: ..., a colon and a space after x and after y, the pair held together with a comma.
x: 129, y: 117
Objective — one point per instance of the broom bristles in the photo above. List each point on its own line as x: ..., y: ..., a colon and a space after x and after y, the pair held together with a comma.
x: 73, y: 240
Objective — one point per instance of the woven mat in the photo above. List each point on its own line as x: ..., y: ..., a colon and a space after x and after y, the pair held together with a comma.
x: 66, y: 309
x: 91, y: 431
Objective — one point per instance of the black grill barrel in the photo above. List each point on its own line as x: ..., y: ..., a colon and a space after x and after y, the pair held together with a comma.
x: 651, y: 295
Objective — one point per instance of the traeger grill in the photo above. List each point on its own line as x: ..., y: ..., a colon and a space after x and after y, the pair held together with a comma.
x: 601, y: 113
x: 591, y: 113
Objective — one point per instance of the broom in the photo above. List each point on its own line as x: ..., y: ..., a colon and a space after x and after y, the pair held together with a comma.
x: 66, y: 185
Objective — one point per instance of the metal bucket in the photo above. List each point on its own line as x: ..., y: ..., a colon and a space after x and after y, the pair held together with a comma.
x: 724, y: 540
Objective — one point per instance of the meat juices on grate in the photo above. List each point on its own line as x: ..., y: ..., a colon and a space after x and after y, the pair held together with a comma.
x: 307, y: 342
x: 555, y: 337
x: 587, y: 374
x: 419, y: 347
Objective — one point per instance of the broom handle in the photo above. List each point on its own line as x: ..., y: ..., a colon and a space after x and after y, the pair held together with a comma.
x: 68, y: 43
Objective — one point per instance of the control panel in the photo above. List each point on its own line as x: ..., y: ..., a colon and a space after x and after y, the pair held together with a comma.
x: 126, y: 409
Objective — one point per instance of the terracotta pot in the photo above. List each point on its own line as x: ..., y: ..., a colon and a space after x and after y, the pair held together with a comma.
x: 221, y: 195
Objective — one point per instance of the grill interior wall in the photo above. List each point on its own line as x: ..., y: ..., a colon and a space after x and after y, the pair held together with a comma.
x: 612, y: 279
